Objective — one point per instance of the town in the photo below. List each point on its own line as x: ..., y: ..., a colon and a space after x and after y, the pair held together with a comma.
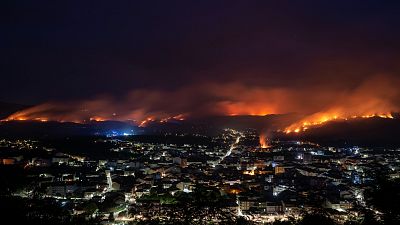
x: 127, y: 179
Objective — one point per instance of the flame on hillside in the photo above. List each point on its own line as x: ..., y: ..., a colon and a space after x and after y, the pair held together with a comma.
x: 263, y: 141
x: 20, y: 116
x: 375, y: 96
x: 319, y: 119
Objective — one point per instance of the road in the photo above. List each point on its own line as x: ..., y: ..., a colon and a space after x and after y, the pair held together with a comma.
x: 229, y: 152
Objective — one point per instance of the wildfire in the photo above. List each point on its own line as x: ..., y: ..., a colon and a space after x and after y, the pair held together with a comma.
x: 97, y: 119
x: 322, y: 118
x: 22, y: 118
x: 263, y: 141
x: 146, y: 121
x: 142, y: 123
x: 180, y: 117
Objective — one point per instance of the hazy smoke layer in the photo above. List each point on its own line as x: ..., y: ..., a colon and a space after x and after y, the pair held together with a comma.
x: 376, y: 95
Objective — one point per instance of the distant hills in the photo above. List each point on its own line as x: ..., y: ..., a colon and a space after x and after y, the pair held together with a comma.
x: 362, y: 131
x: 213, y: 124
x: 207, y: 126
x: 52, y: 129
x: 374, y: 131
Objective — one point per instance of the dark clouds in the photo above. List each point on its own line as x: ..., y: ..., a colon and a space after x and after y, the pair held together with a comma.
x: 80, y: 50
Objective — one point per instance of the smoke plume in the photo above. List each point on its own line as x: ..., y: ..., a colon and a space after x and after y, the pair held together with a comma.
x: 377, y: 95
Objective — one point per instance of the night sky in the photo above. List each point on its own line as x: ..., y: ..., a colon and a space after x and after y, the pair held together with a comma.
x: 203, y: 51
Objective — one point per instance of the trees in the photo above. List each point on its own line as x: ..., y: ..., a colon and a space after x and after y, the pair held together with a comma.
x: 37, y: 212
x: 316, y: 218
x: 385, y: 197
x: 202, y: 206
x: 12, y: 179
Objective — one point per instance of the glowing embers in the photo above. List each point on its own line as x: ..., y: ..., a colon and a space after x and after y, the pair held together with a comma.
x: 322, y: 118
x: 150, y: 119
x: 180, y: 117
x: 22, y: 118
x: 26, y: 116
x: 145, y: 122
x: 97, y: 119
